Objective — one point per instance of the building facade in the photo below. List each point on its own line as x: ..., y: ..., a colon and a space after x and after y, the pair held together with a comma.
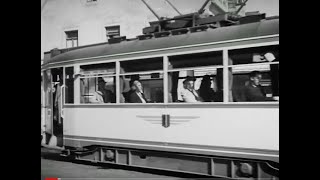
x: 71, y: 23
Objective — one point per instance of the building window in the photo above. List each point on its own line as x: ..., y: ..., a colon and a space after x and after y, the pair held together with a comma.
x: 112, y: 31
x: 71, y: 39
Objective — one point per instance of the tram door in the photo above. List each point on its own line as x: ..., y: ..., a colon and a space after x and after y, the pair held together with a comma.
x: 47, y: 90
x: 57, y: 98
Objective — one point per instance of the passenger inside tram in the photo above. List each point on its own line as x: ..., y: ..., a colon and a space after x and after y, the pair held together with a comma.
x: 131, y: 89
x: 137, y: 96
x: 189, y: 94
x: 205, y: 85
x: 102, y: 95
x: 205, y: 90
x: 255, y: 74
x: 253, y: 90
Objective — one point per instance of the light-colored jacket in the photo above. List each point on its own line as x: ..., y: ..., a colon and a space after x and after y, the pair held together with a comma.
x: 97, y: 97
x: 188, y: 96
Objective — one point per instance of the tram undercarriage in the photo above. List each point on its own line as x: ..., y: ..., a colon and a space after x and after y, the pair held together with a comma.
x: 211, y: 166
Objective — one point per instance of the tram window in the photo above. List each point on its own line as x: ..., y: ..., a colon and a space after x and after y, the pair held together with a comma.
x: 97, y: 83
x: 69, y: 86
x: 262, y: 54
x: 98, y: 90
x: 103, y: 68
x: 47, y: 86
x: 196, y: 60
x: 57, y: 75
x: 254, y: 80
x: 207, y: 84
x: 197, y: 78
x: 150, y: 64
x: 152, y: 88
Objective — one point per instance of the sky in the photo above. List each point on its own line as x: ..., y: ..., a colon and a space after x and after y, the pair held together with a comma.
x: 270, y: 7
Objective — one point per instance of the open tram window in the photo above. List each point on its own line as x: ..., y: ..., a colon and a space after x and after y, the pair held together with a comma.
x: 213, y: 58
x: 196, y: 77
x: 254, y: 55
x: 255, y: 74
x: 98, y: 83
x: 151, y: 88
x: 141, y: 81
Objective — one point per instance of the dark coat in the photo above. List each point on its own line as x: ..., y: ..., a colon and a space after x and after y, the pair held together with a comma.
x: 134, y: 98
x: 256, y: 93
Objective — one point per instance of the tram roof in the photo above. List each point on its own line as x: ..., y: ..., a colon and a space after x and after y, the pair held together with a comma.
x: 262, y: 28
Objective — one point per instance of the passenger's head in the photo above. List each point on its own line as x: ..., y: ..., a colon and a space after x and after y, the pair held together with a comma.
x: 189, y: 83
x: 206, y: 81
x: 132, y: 86
x: 138, y: 86
x: 255, y: 77
x: 101, y: 83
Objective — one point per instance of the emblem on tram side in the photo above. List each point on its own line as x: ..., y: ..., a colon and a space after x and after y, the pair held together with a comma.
x: 167, y: 120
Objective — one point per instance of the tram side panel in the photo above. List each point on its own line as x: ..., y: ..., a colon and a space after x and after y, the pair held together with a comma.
x: 228, y: 127
x: 95, y: 125
x: 256, y: 128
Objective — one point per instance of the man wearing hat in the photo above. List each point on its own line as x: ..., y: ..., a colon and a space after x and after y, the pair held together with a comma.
x: 189, y: 94
x: 102, y: 95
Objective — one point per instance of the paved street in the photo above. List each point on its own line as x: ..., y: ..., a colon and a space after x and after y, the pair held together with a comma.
x: 54, y: 166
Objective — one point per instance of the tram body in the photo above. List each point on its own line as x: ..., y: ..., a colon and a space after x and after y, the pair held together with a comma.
x: 224, y: 139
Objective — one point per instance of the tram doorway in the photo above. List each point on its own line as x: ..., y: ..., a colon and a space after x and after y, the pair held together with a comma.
x: 52, y: 123
x: 47, y: 107
x: 57, y: 105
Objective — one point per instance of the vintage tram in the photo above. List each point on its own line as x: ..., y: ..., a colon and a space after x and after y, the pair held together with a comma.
x: 226, y: 136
